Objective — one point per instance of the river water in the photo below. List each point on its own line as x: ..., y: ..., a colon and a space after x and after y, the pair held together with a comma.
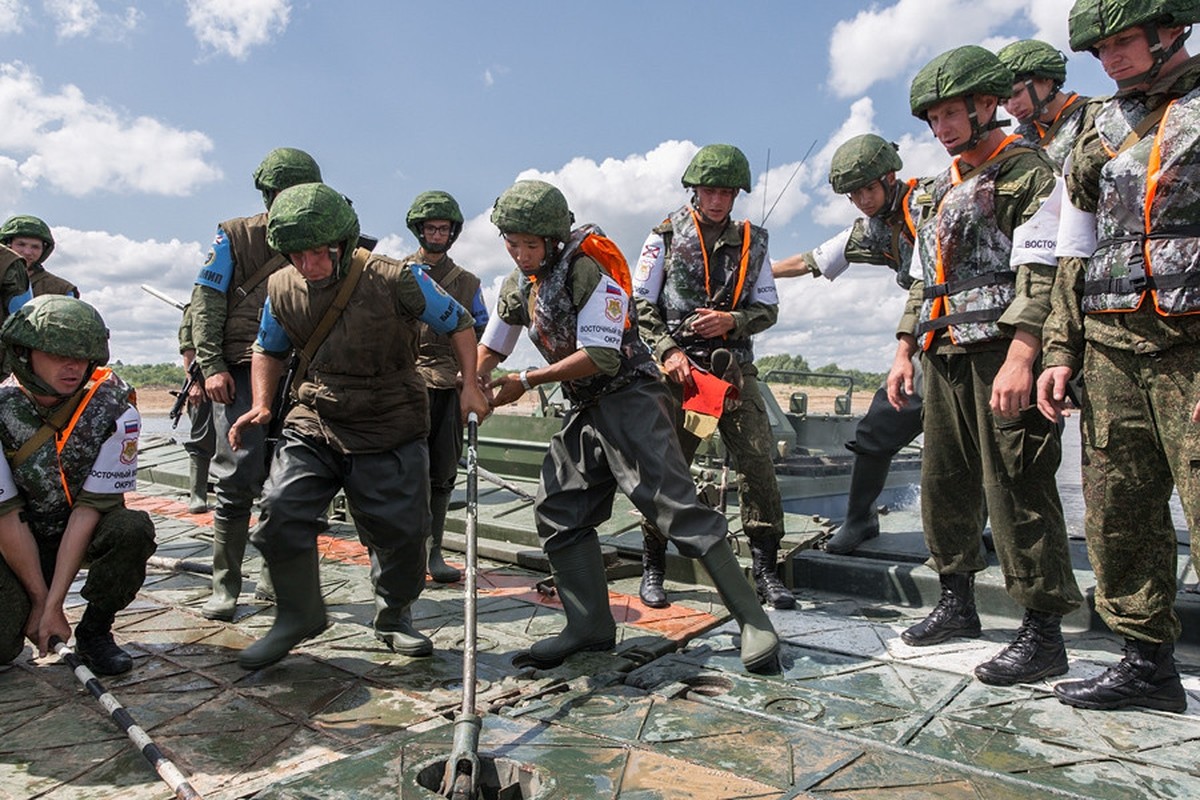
x: 1069, y: 485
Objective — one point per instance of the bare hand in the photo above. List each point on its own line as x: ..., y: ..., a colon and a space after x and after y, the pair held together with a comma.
x: 196, y: 394
x: 712, y: 324
x: 678, y: 367
x: 900, y: 381
x: 1052, y: 393
x: 471, y: 399
x: 255, y: 416
x: 1196, y: 413
x: 53, y: 623
x: 220, y: 388
x: 506, y: 389
x: 1011, y: 389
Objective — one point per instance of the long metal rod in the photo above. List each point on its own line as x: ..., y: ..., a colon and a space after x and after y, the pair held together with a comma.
x: 470, y: 618
x: 493, y: 478
x: 166, y: 770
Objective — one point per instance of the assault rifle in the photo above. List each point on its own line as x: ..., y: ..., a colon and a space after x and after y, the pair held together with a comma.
x: 194, y: 376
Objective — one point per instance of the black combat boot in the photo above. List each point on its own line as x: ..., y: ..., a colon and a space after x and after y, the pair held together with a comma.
x: 654, y: 568
x: 862, y: 520
x: 765, y: 554
x: 1146, y: 677
x: 954, y: 615
x: 1037, y: 652
x: 94, y: 643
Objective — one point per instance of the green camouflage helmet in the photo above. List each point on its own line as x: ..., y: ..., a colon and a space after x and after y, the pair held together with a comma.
x: 313, y: 215
x: 535, y: 208
x: 1032, y: 58
x: 25, y: 225
x: 58, y: 324
x: 721, y: 166
x: 961, y: 72
x: 1094, y: 20
x: 860, y: 160
x: 283, y: 168
x: 434, y: 205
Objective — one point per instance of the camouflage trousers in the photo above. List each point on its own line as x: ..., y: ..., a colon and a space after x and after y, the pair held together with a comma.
x: 1139, y: 444
x: 116, y: 568
x: 975, y: 466
x: 746, y: 436
x: 622, y: 441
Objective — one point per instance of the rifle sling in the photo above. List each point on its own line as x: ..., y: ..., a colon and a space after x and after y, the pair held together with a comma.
x: 357, y: 264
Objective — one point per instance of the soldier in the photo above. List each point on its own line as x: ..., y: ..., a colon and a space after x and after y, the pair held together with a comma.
x: 984, y: 260
x: 864, y: 169
x: 62, y: 499
x: 226, y: 305
x: 14, y: 282
x: 436, y: 220
x: 30, y: 238
x: 703, y: 285
x: 201, y: 443
x: 571, y: 290
x: 1125, y: 306
x: 1045, y: 112
x: 360, y: 421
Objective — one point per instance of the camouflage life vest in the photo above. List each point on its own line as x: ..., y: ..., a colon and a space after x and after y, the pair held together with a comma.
x: 965, y: 255
x: 1148, y: 217
x: 721, y: 281
x: 554, y: 318
x: 1058, y: 138
x: 54, y: 474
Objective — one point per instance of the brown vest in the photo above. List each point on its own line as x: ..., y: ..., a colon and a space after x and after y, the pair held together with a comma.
x: 362, y: 392
x: 436, y: 361
x: 248, y: 245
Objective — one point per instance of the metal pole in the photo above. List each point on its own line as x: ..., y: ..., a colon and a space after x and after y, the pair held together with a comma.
x: 179, y: 565
x: 169, y: 773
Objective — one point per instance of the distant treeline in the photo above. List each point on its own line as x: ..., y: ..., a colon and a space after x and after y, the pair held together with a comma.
x: 170, y: 376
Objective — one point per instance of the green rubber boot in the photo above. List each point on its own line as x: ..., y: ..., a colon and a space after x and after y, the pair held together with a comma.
x: 299, y: 611
x: 198, y: 483
x: 229, y: 546
x: 583, y: 589
x: 760, y: 644
x: 439, y: 570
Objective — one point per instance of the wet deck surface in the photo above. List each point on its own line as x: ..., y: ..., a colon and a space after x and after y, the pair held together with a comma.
x: 670, y: 714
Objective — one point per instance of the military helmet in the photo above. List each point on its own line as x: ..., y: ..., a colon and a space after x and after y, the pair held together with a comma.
x: 25, y: 225
x: 718, y: 165
x: 434, y: 205
x: 961, y: 72
x: 860, y: 160
x: 1093, y: 20
x: 309, y: 216
x: 1032, y: 58
x: 58, y: 324
x: 282, y: 168
x: 535, y: 208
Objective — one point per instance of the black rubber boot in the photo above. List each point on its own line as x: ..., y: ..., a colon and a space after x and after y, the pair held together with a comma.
x: 867, y: 478
x: 1146, y: 678
x: 94, y: 643
x: 765, y: 555
x: 654, y: 569
x: 760, y: 644
x: 229, y: 546
x: 1037, y: 652
x: 299, y: 611
x: 583, y: 589
x: 264, y: 588
x: 954, y: 615
x: 198, y: 483
x: 394, y: 628
x: 439, y: 570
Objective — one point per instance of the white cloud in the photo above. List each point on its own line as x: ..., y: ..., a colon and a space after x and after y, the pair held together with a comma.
x: 12, y: 13
x: 889, y: 42
x: 76, y: 18
x: 108, y: 268
x: 234, y: 27
x: 81, y: 147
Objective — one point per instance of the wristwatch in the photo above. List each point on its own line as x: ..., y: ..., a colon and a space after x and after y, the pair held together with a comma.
x: 524, y: 375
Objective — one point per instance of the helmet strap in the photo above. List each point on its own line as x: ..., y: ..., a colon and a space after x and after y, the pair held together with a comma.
x: 1160, y: 54
x: 978, y: 131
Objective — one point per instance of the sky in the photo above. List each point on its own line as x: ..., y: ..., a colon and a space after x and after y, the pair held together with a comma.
x: 133, y: 128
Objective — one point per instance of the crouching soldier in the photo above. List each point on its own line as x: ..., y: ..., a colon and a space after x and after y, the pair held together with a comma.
x: 69, y: 428
x: 571, y: 289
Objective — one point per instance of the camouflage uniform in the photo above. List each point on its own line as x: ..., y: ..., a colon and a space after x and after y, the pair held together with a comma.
x: 670, y: 283
x: 1058, y: 138
x: 1139, y: 366
x: 97, y: 464
x: 14, y: 283
x: 983, y: 256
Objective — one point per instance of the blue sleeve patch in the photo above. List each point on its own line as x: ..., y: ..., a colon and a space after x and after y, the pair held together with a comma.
x: 479, y: 310
x: 218, y: 269
x: 271, y: 336
x: 442, y: 312
x: 19, y: 300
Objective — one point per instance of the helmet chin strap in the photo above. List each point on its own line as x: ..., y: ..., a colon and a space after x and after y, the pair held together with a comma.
x: 977, y: 131
x: 1160, y: 54
x: 1039, y: 103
